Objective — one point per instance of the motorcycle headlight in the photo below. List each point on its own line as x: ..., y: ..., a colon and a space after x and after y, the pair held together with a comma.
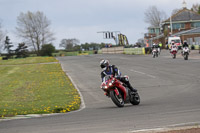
x: 110, y: 84
x: 106, y: 87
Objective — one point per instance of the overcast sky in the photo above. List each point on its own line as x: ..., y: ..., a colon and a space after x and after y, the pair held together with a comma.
x: 82, y: 19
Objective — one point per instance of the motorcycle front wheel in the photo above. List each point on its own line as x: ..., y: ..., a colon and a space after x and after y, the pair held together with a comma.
x: 186, y: 56
x: 174, y: 56
x: 153, y: 55
x: 117, y: 99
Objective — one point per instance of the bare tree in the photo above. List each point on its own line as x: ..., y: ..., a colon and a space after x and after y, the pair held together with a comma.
x: 68, y: 44
x: 34, y: 28
x: 2, y: 36
x: 196, y: 8
x: 175, y: 11
x: 154, y: 17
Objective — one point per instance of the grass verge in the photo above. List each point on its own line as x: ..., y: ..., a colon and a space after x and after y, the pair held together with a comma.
x: 36, y: 89
x: 28, y: 60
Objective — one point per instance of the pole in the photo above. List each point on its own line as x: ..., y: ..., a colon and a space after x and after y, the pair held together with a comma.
x: 171, y: 24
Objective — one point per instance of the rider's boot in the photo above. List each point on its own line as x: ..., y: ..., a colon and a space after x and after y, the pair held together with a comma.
x: 133, y: 90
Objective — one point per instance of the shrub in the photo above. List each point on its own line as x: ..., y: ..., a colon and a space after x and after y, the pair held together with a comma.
x: 47, y: 50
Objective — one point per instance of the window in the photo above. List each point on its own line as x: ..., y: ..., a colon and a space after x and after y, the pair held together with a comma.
x: 152, y: 30
x: 195, y: 24
x: 178, y: 26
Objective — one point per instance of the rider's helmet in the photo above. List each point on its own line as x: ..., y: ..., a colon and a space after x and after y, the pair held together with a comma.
x: 104, y: 64
x: 172, y: 43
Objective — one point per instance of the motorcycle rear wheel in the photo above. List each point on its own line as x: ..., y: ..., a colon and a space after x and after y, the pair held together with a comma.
x: 117, y: 99
x: 135, y: 99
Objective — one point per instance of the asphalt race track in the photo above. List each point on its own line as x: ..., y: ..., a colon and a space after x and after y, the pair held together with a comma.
x: 169, y: 90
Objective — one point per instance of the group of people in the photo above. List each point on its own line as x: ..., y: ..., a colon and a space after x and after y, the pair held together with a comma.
x: 112, y: 70
x: 172, y: 47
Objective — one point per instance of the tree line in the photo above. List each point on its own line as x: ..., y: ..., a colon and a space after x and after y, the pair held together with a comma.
x: 22, y: 50
x: 73, y: 45
x: 34, y: 28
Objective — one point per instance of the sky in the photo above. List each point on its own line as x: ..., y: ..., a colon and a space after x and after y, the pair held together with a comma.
x: 82, y: 19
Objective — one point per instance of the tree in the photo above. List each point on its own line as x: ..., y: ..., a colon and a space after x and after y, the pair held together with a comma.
x: 199, y: 10
x: 85, y: 46
x: 154, y: 17
x: 34, y: 28
x: 196, y: 8
x: 21, y: 51
x: 8, y: 47
x: 47, y: 50
x: 2, y: 36
x: 175, y: 11
x: 69, y: 44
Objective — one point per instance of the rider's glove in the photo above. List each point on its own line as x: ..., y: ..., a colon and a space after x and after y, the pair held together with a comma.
x: 118, y: 77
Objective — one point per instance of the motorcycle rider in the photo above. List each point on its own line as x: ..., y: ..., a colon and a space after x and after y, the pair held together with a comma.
x: 155, y: 46
x: 185, y: 44
x: 173, y: 47
x: 114, y: 71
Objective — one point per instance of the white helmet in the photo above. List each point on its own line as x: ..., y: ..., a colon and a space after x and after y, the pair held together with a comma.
x: 104, y: 64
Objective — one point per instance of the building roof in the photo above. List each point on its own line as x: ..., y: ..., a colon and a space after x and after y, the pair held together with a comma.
x: 151, y: 27
x: 184, y: 15
x: 191, y: 31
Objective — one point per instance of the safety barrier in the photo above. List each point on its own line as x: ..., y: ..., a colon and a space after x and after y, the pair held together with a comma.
x: 137, y: 51
x: 122, y: 50
x: 113, y: 50
x: 194, y: 47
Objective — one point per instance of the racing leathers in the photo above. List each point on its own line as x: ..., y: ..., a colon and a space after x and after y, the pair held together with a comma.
x: 114, y: 71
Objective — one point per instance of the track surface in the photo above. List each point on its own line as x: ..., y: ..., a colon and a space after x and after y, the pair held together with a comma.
x: 169, y: 90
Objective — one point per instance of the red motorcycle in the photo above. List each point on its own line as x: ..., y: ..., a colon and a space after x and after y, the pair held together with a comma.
x: 174, y: 54
x: 173, y: 51
x: 118, y: 92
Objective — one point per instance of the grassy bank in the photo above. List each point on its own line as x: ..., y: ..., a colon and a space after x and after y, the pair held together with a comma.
x: 36, y: 89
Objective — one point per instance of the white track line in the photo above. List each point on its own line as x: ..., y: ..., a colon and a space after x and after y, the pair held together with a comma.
x: 82, y: 100
x: 143, y: 73
x: 170, y: 127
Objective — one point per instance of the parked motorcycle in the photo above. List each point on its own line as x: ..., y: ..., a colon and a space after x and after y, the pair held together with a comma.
x: 118, y: 92
x: 185, y: 53
x: 154, y: 52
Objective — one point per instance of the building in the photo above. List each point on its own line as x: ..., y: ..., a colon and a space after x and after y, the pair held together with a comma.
x: 185, y: 23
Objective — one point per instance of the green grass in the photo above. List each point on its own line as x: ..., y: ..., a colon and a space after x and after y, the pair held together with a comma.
x: 28, y: 60
x: 75, y: 53
x: 36, y: 89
